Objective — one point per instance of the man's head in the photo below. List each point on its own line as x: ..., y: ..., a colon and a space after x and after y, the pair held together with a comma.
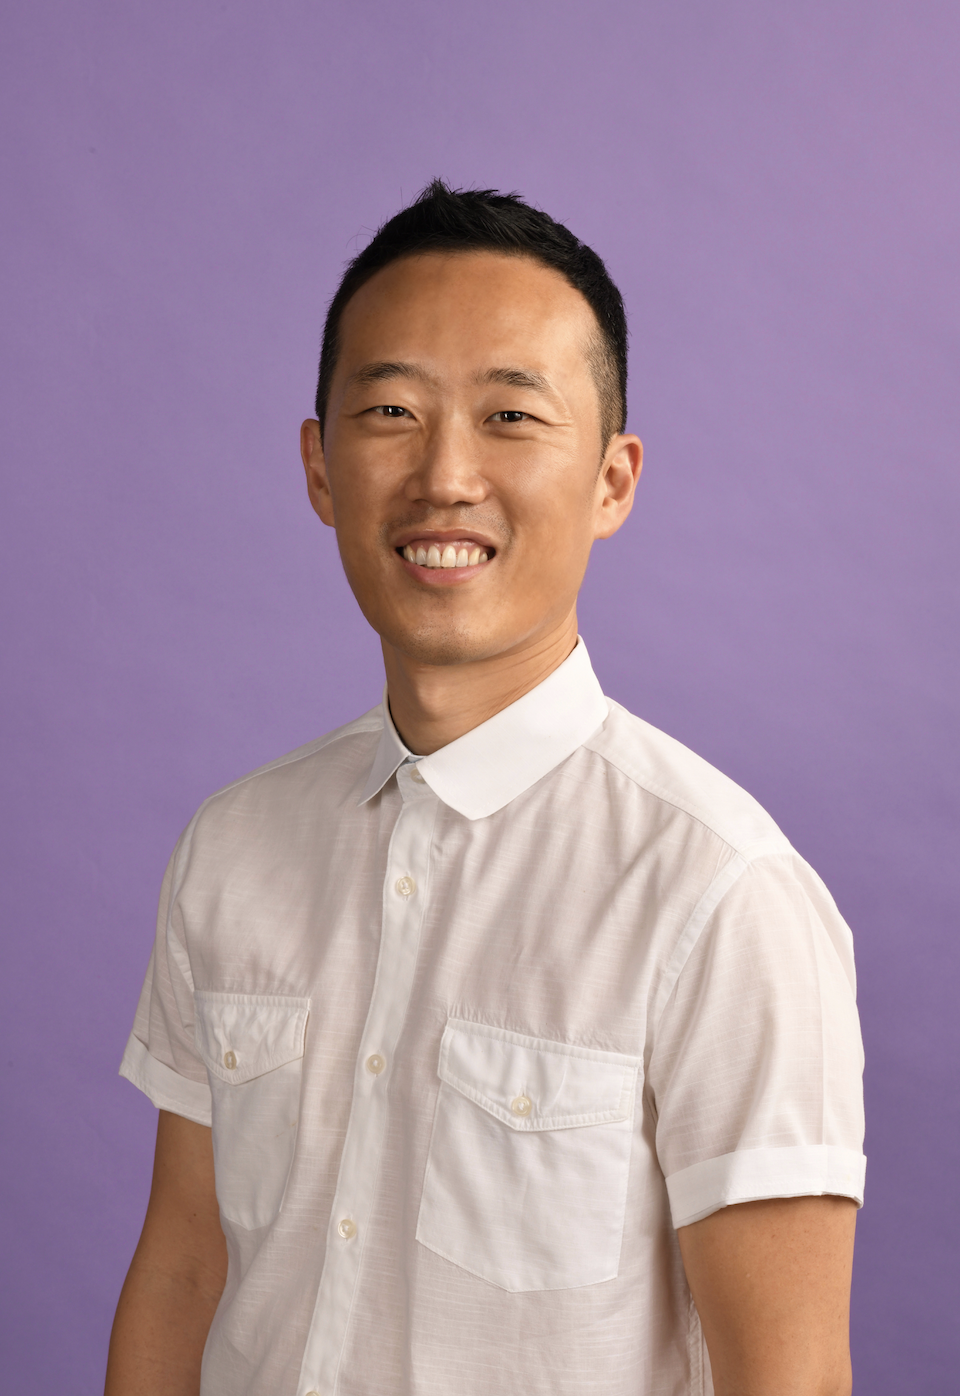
x: 467, y: 459
x: 483, y: 220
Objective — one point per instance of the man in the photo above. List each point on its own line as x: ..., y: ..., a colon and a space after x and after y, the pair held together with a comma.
x: 529, y: 1044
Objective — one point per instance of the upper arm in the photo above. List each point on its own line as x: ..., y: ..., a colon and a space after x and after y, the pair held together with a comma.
x: 178, y: 1271
x: 182, y: 1230
x: 771, y: 1282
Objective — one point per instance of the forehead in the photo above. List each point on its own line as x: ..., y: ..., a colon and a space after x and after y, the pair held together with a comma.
x: 462, y: 307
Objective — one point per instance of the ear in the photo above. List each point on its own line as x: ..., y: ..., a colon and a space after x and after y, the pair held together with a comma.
x: 318, y: 486
x: 616, y: 483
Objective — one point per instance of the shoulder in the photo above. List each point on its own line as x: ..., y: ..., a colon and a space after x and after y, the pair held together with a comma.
x: 330, y: 766
x: 659, y: 768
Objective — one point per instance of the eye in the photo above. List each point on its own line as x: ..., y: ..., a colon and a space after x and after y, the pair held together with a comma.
x: 390, y: 411
x: 510, y: 417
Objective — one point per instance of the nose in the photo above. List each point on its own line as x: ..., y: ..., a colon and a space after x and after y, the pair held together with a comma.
x: 448, y: 471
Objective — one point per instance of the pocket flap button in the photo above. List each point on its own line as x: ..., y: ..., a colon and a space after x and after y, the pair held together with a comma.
x: 522, y: 1105
x: 230, y: 1060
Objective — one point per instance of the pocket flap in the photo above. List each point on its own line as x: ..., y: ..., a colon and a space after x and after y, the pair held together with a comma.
x: 241, y: 1036
x: 531, y: 1083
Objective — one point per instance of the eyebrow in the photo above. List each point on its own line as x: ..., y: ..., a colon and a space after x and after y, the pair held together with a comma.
x: 386, y: 369
x: 382, y: 371
x: 516, y: 378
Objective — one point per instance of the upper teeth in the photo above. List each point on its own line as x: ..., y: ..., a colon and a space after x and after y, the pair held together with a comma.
x: 449, y: 557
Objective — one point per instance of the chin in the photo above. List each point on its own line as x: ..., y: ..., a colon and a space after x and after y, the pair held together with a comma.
x: 442, y: 644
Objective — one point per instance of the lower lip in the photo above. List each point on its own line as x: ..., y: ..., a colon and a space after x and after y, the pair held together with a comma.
x: 443, y: 576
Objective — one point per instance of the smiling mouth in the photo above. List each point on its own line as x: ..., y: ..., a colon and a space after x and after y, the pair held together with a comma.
x: 465, y: 553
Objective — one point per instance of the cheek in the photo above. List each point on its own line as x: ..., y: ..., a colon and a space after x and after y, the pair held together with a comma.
x: 358, y: 544
x: 350, y: 489
x: 559, y: 526
x: 360, y: 507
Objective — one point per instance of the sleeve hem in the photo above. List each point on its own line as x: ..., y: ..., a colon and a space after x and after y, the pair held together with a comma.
x: 164, y: 1086
x: 807, y: 1170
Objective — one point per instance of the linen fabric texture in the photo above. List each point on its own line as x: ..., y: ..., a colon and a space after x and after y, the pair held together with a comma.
x: 476, y: 1033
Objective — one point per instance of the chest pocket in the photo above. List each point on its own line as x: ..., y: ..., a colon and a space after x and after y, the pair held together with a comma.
x: 252, y: 1046
x: 526, y: 1178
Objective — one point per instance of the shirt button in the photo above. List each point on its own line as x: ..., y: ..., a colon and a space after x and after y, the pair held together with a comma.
x: 347, y: 1229
x: 230, y: 1060
x: 375, y: 1064
x: 417, y: 777
x: 406, y: 886
x: 313, y: 1393
x: 522, y: 1105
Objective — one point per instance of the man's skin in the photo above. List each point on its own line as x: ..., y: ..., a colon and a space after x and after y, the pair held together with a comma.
x: 464, y: 412
x: 177, y: 1273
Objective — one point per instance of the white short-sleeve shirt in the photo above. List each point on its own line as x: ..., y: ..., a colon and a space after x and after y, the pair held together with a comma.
x: 476, y: 1033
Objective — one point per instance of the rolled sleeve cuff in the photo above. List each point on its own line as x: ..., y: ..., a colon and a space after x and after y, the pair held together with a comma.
x: 164, y: 1086
x: 808, y: 1170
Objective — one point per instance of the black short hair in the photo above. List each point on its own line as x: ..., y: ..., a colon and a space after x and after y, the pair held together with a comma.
x: 465, y: 220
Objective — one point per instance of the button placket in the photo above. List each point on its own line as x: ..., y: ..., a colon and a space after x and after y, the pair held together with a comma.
x: 403, y: 903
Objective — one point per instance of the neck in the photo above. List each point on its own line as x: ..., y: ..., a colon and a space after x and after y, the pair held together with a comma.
x: 434, y: 704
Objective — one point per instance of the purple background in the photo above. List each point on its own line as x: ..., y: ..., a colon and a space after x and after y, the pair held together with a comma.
x: 775, y: 187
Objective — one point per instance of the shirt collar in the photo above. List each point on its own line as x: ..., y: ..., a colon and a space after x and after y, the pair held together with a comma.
x: 492, y: 764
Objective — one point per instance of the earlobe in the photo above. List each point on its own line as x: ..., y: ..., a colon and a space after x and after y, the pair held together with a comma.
x: 318, y: 486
